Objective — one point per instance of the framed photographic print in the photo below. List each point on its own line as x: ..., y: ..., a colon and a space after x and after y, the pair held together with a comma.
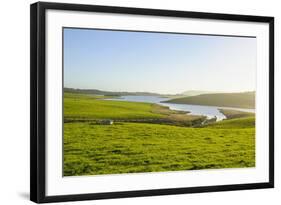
x: 129, y: 102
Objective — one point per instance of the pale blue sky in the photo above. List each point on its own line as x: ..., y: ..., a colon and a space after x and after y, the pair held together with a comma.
x: 157, y: 62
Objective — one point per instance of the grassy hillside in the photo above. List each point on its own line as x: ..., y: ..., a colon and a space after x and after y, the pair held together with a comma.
x: 195, y: 92
x: 129, y: 147
x: 242, y: 100
x: 80, y: 107
x: 247, y: 122
x: 139, y: 147
x: 231, y: 114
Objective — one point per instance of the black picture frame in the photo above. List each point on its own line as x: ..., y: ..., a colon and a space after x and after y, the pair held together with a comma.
x: 38, y: 101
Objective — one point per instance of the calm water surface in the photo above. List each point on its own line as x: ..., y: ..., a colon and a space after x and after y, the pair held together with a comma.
x: 208, y: 111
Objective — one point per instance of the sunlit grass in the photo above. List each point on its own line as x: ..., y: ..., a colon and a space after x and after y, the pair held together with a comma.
x: 91, y: 148
x: 138, y: 147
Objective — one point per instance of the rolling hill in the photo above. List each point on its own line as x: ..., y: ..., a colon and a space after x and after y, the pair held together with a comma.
x: 195, y: 92
x: 106, y: 93
x: 241, y: 100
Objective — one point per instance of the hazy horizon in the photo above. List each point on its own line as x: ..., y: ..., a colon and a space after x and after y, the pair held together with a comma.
x: 122, y: 61
x: 207, y: 91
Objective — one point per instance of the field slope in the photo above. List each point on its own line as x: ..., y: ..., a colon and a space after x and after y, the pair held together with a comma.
x: 241, y: 100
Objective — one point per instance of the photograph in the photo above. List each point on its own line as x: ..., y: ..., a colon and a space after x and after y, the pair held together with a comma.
x: 147, y: 101
x: 135, y: 102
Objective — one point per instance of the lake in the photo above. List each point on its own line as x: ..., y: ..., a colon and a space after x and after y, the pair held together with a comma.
x: 208, y: 111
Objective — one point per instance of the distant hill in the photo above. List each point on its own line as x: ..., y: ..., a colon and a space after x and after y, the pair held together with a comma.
x: 195, y: 92
x: 241, y: 100
x: 107, y: 93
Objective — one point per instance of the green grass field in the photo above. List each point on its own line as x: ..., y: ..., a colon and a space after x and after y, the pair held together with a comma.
x: 239, y: 123
x: 79, y: 106
x: 130, y: 147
